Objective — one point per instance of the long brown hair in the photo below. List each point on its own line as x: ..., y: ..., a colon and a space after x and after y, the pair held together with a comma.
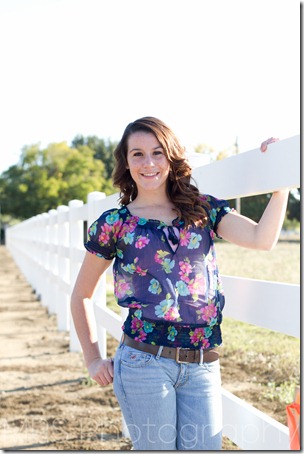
x: 184, y: 195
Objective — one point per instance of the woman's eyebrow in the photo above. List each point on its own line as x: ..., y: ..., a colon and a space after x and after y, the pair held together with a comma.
x: 139, y: 149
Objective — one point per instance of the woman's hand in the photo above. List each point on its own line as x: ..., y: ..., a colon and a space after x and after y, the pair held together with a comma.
x: 265, y: 144
x: 102, y: 371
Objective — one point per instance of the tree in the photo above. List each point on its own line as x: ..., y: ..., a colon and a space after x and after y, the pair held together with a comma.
x: 44, y: 179
x: 103, y: 150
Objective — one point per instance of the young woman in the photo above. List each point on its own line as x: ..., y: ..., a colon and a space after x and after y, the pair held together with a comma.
x: 166, y: 369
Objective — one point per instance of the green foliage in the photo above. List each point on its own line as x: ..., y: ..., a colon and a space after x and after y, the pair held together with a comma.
x: 254, y: 206
x: 46, y: 178
x: 103, y: 150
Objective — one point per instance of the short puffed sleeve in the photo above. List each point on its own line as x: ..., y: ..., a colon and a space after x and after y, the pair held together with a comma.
x: 102, y: 234
x: 218, y: 209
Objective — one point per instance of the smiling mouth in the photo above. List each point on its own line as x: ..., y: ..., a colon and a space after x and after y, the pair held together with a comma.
x: 150, y: 174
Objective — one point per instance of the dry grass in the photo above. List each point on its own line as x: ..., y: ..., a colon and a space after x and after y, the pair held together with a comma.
x: 282, y: 264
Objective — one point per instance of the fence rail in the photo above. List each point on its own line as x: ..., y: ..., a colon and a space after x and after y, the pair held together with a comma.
x: 49, y: 250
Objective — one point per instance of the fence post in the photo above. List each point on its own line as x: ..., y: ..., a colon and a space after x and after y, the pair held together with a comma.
x: 94, y: 211
x: 76, y: 243
x: 62, y: 301
x: 45, y: 234
x: 52, y: 295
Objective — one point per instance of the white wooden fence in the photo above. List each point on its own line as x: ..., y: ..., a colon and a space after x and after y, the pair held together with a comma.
x: 49, y: 250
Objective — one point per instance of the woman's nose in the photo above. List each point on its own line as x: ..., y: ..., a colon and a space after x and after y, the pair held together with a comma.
x: 149, y: 160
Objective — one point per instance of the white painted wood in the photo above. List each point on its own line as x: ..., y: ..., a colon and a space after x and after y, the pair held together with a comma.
x: 76, y: 244
x: 271, y: 305
x: 252, y: 172
x: 110, y: 319
x: 251, y: 429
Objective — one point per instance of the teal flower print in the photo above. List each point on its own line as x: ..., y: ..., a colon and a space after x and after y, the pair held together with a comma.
x: 172, y: 333
x: 155, y: 287
x: 119, y: 253
x: 162, y: 308
x: 128, y: 238
x: 194, y: 241
x: 112, y: 217
x: 213, y: 215
x: 93, y: 229
x: 168, y: 265
x: 142, y: 221
x: 138, y: 313
x: 207, y: 332
x: 182, y: 288
x: 148, y: 327
x: 130, y: 268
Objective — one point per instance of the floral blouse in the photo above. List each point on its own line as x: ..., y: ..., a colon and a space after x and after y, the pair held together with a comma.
x: 166, y: 275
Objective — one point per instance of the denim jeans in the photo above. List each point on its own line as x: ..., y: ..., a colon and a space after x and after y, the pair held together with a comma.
x: 167, y: 405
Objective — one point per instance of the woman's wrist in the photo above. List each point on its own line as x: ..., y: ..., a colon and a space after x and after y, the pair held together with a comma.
x: 92, y: 361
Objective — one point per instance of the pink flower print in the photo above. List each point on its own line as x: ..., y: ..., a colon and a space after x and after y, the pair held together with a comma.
x: 185, y: 267
x: 136, y: 324
x: 117, y: 226
x: 208, y: 312
x: 104, y: 235
x: 128, y: 227
x: 205, y: 343
x: 160, y: 256
x: 185, y: 270
x: 184, y: 237
x: 197, y: 285
x: 135, y: 305
x: 103, y: 238
x: 122, y: 288
x: 141, y: 336
x: 172, y: 314
x: 141, y: 242
x: 196, y: 336
x: 140, y: 271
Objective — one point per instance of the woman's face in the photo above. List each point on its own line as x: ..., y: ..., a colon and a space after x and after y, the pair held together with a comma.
x: 148, y: 165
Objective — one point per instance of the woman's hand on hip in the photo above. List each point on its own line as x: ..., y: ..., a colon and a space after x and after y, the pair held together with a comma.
x: 102, y: 371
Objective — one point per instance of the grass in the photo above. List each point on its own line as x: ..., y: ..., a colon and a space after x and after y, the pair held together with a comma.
x: 282, y: 264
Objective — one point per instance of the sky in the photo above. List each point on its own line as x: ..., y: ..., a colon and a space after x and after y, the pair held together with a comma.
x: 213, y: 71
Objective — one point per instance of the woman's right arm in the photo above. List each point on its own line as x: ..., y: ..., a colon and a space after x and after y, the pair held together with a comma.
x: 93, y: 267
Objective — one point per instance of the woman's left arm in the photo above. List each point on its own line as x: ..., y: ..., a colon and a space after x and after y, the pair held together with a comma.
x: 264, y: 235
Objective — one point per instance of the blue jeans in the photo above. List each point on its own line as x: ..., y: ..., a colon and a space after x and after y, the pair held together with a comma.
x: 166, y: 405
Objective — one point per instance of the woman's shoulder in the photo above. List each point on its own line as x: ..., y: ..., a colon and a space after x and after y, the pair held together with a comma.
x: 112, y: 215
x: 212, y: 200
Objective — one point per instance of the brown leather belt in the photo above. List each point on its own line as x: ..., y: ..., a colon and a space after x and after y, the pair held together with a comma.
x: 180, y: 355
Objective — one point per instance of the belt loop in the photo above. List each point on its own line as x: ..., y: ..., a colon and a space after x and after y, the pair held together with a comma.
x: 159, y: 352
x: 201, y: 357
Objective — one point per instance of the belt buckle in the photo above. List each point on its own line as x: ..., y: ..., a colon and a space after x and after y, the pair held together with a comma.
x: 177, y: 355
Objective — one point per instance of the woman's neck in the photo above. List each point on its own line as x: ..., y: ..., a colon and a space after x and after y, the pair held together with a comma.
x: 152, y: 208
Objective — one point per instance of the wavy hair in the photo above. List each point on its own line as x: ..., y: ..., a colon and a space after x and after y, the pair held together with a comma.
x: 185, y: 196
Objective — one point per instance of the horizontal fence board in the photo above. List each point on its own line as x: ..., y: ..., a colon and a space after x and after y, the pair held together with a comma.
x: 107, y: 318
x: 271, y: 305
x: 251, y: 429
x: 252, y: 172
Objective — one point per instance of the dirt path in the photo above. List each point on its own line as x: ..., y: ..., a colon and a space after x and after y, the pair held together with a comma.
x: 46, y: 400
